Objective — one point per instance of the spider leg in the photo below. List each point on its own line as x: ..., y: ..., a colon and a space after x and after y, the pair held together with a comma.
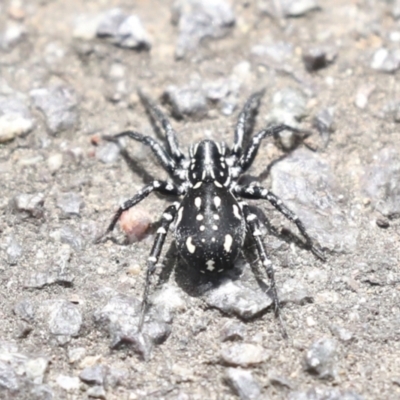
x: 256, y: 192
x: 249, y: 110
x: 163, y: 157
x: 246, y: 160
x: 170, y: 133
x: 253, y: 225
x: 168, y: 218
x: 162, y: 187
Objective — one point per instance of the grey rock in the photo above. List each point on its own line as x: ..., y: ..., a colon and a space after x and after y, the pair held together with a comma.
x: 243, y: 383
x: 96, y: 392
x: 70, y: 203
x: 75, y: 354
x: 41, y: 392
x: 58, y: 104
x: 386, y: 60
x: 287, y: 8
x: 59, y: 273
x: 8, y: 377
x: 305, y: 183
x: 391, y: 111
x: 324, y: 123
x: 120, y: 318
x: 325, y: 394
x: 71, y: 237
x: 108, y: 153
x: 170, y: 299
x: 233, y: 330
x: 381, y: 182
x: 116, y: 377
x: 63, y: 318
x: 68, y: 383
x: 235, y: 298
x: 123, y: 30
x: 14, y: 251
x: 200, y: 19
x: 243, y: 354
x: 12, y: 35
x: 30, y: 204
x: 316, y: 58
x: 15, y: 118
x: 293, y: 291
x: 341, y: 333
x: 186, y: 101
x: 321, y: 357
x: 35, y: 369
x: 289, y: 107
x: 25, y: 309
x: 94, y: 375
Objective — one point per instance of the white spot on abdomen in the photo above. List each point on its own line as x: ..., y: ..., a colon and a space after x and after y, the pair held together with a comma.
x: 210, y: 265
x: 217, y: 201
x: 228, y: 243
x: 197, y: 202
x: 190, y: 246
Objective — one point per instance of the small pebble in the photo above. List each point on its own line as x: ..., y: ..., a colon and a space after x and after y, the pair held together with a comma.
x: 341, y: 333
x: 58, y: 104
x: 243, y: 354
x: 232, y: 331
x: 68, y: 383
x: 123, y: 30
x: 75, y: 354
x: 35, y: 369
x: 13, y: 34
x: 93, y: 375
x: 363, y: 94
x: 234, y: 298
x: 385, y: 60
x: 243, y: 383
x: 200, y: 19
x: 70, y: 203
x: 186, y: 101
x: 55, y: 162
x: 382, y: 223
x: 14, y: 251
x: 32, y: 204
x: 108, y: 153
x: 15, y: 118
x: 320, y: 358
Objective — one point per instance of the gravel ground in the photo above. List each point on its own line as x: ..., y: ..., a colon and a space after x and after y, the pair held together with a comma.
x: 69, y: 308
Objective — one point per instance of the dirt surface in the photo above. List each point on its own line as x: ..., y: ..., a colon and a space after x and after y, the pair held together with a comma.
x: 61, y: 184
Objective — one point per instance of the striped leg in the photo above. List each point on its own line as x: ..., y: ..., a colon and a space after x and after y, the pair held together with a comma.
x: 162, y: 187
x: 167, y: 219
x: 245, y: 118
x: 256, y: 192
x: 250, y: 153
x: 159, y: 151
x: 170, y: 133
x: 253, y: 226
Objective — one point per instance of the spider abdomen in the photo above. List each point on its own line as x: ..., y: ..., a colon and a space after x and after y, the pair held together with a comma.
x: 210, y: 228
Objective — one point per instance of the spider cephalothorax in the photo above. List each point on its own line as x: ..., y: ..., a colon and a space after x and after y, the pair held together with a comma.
x: 212, y: 219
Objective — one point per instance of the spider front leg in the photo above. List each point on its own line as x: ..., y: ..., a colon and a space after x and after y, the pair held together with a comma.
x: 256, y: 192
x: 253, y: 226
x: 158, y: 150
x: 167, y: 218
x: 246, y: 160
x: 170, y: 133
x: 162, y: 187
x: 245, y: 118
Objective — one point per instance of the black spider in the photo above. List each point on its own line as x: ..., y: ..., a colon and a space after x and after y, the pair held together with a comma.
x: 212, y: 219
